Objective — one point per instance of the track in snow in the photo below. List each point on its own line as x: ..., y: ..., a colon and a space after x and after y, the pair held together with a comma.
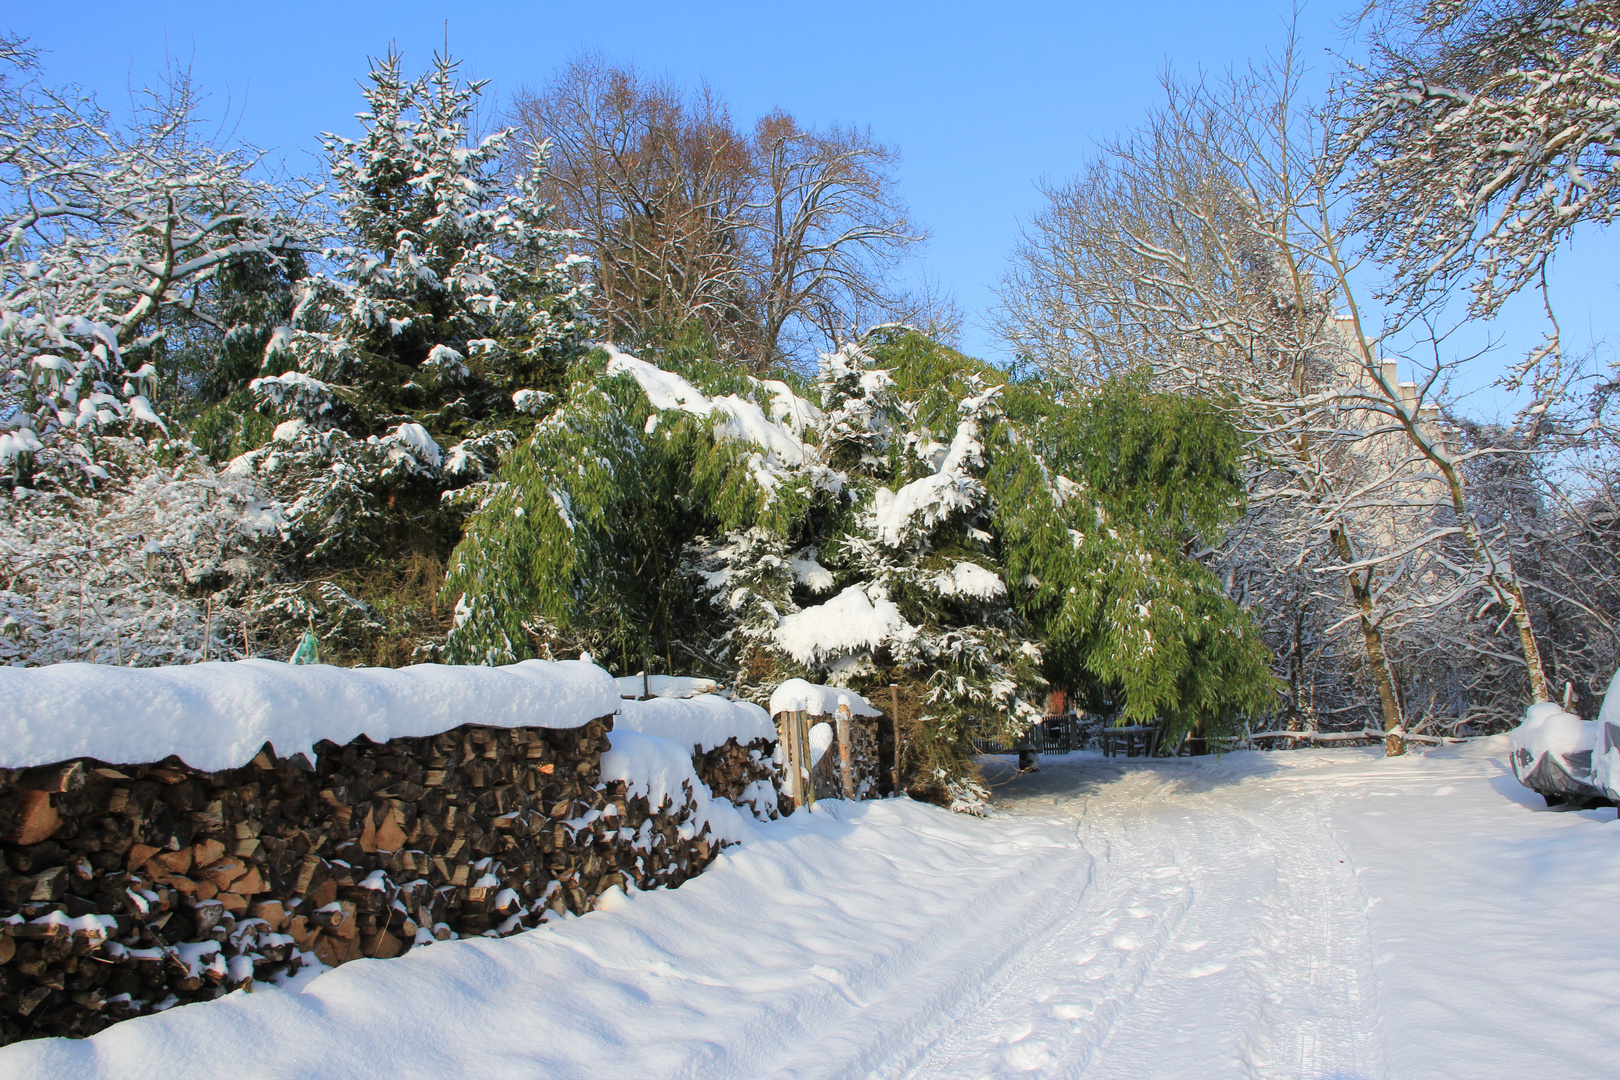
x: 1207, y: 936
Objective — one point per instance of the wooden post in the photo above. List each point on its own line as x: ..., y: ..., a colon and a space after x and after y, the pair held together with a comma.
x: 894, y: 718
x: 846, y: 771
x: 784, y: 746
x: 808, y: 773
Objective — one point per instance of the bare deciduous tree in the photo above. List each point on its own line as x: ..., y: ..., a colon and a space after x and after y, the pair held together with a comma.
x: 1482, y: 134
x: 775, y: 243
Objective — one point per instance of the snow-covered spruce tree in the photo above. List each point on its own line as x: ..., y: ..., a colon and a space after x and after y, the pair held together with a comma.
x: 450, y: 310
x: 923, y: 603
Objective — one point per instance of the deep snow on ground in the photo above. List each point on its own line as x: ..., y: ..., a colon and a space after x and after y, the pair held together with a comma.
x: 1295, y: 914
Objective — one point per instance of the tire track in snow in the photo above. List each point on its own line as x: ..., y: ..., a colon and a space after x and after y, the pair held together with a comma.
x: 1220, y: 935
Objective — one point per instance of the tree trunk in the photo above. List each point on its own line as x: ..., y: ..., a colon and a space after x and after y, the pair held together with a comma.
x: 1383, y: 677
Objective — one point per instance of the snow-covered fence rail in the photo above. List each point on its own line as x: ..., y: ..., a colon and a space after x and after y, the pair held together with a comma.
x: 148, y: 864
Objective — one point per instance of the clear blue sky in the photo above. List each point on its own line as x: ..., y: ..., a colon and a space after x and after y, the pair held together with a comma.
x: 983, y: 100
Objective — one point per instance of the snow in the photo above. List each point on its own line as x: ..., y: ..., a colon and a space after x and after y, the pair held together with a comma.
x: 796, y: 695
x: 735, y: 418
x: 1297, y: 914
x: 970, y: 579
x: 218, y: 715
x: 849, y: 621
x: 810, y: 573
x: 820, y: 737
x: 934, y: 497
x: 705, y: 721
x: 664, y: 389
x: 673, y: 686
x: 662, y: 769
x: 411, y: 443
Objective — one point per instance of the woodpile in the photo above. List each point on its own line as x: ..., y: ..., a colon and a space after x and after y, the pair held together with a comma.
x: 746, y: 775
x: 859, y: 771
x: 126, y: 890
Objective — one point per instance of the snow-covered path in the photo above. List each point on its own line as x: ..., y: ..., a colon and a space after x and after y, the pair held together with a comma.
x: 1218, y: 936
x: 1310, y: 914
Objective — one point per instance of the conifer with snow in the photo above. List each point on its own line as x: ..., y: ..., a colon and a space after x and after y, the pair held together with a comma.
x: 406, y: 367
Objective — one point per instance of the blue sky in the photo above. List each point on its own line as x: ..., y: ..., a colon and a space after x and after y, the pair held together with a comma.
x: 983, y: 100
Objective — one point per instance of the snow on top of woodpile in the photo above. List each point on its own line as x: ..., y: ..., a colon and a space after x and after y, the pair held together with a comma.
x: 796, y: 695
x: 670, y: 686
x: 218, y: 715
x: 662, y: 769
x: 704, y: 721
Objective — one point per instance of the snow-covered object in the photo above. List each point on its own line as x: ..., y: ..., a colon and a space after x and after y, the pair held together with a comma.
x: 1552, y: 752
x: 796, y: 695
x: 851, y: 621
x: 670, y: 686
x: 1606, y: 748
x: 705, y: 721
x: 218, y: 715
x: 662, y: 769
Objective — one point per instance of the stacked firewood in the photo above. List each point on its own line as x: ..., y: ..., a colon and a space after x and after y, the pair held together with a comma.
x: 864, y: 762
x: 746, y: 775
x: 125, y: 890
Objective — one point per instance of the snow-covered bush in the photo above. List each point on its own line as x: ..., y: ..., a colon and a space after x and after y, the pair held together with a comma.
x: 152, y: 570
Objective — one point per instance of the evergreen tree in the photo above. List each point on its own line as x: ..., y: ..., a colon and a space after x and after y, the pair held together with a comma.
x: 451, y: 310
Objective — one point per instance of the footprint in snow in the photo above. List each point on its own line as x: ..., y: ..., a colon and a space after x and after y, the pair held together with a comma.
x: 1205, y: 969
x: 1125, y: 942
x: 1027, y: 1056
